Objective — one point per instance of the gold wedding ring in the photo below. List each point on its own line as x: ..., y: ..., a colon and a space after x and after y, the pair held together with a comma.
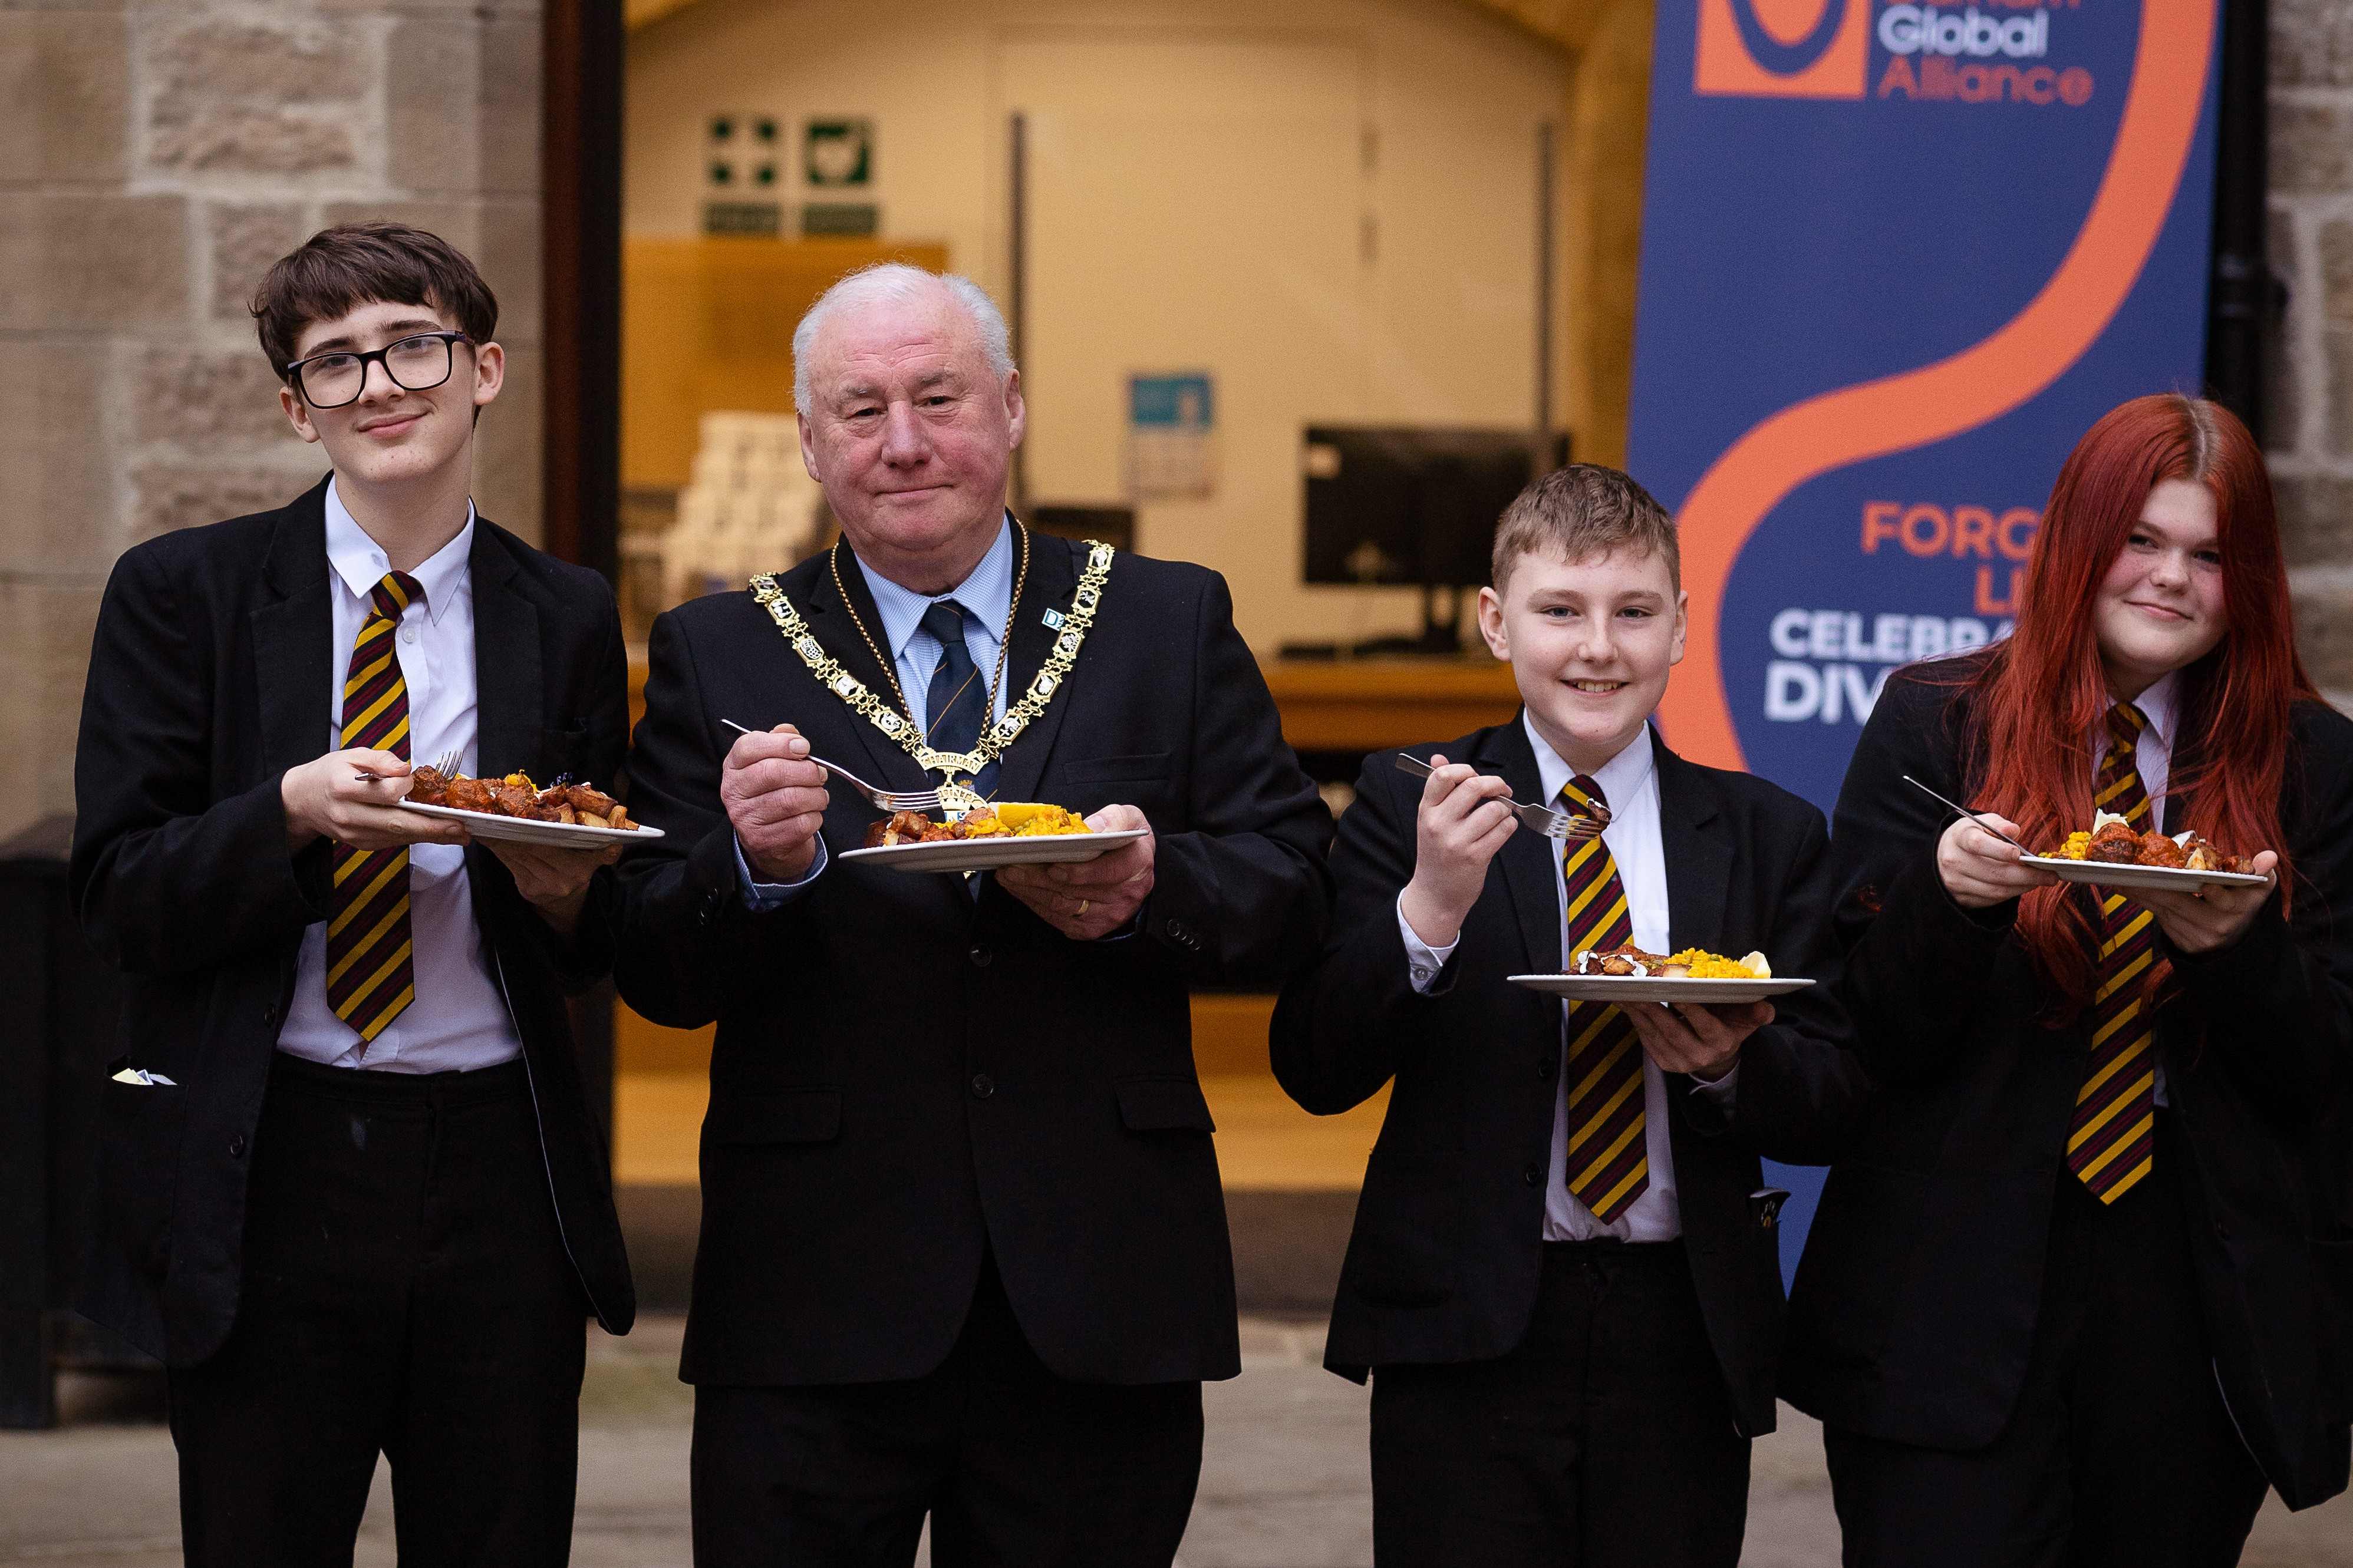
x: 1082, y: 908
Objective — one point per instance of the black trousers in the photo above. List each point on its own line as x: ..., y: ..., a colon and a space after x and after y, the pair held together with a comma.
x: 1604, y: 1440
x: 406, y: 1291
x: 1017, y: 1468
x: 2121, y: 1451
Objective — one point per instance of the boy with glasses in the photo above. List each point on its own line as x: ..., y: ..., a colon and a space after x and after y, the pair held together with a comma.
x: 355, y: 1199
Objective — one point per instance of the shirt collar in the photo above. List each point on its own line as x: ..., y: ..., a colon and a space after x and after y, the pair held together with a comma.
x: 1621, y: 778
x: 360, y: 561
x: 986, y: 597
x: 2160, y: 705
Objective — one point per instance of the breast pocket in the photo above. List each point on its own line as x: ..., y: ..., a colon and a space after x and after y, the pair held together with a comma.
x: 1163, y: 1103
x: 561, y: 747
x: 1141, y: 780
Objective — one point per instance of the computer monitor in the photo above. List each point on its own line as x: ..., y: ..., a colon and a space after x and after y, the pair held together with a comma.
x: 1412, y: 504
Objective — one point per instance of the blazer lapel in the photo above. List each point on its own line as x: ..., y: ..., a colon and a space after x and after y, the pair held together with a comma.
x: 508, y: 716
x: 293, y: 637
x: 1696, y: 842
x: 838, y: 631
x: 1053, y: 574
x: 1526, y: 859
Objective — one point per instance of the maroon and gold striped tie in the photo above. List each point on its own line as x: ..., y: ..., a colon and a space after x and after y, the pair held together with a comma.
x: 371, y: 966
x: 2112, y: 1139
x: 1609, y: 1155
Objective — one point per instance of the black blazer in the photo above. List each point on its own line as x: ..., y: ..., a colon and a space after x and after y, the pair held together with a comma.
x: 1914, y: 1310
x: 209, y: 678
x: 1450, y: 1228
x: 904, y: 1075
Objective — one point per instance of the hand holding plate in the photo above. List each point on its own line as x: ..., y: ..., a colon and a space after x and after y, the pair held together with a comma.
x: 1703, y: 1041
x: 2213, y: 916
x: 1090, y: 900
x: 551, y: 881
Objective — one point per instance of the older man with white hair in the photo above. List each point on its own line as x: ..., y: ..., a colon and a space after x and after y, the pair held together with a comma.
x: 964, y: 1250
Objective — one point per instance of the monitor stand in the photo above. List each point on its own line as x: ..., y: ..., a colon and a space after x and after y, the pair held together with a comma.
x: 1439, y: 638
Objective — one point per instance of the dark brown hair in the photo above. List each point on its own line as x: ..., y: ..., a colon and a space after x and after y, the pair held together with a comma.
x: 1581, y: 511
x: 338, y: 269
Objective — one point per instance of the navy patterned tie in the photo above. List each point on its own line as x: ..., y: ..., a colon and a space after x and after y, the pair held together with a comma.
x: 956, y: 710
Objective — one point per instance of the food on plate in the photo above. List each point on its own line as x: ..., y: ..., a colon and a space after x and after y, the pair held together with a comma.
x: 915, y: 827
x: 2113, y: 842
x: 1015, y: 819
x: 1690, y: 963
x: 1029, y: 820
x: 572, y: 805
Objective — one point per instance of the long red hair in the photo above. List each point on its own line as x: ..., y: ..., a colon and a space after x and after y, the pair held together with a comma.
x: 2038, y: 699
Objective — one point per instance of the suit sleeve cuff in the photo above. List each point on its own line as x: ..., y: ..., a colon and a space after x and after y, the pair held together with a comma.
x: 1424, y: 962
x: 761, y: 897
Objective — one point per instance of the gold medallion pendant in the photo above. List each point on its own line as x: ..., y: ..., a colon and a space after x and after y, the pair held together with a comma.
x: 957, y: 768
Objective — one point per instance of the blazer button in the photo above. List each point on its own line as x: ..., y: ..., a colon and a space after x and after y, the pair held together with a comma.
x: 1544, y: 1070
x: 236, y: 1146
x: 1179, y: 931
x: 269, y: 1014
x: 1533, y: 1175
x: 981, y: 957
x: 983, y: 1086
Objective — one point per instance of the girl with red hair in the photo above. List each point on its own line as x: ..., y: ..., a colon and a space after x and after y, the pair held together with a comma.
x: 2079, y: 1290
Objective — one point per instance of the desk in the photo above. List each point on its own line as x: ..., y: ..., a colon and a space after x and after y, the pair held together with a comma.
x: 1366, y: 704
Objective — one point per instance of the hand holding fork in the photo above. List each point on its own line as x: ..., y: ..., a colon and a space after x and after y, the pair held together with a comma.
x: 775, y: 795
x: 1463, y: 818
x: 353, y: 797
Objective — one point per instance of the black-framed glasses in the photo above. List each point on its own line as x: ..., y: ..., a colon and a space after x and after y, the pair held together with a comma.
x: 417, y: 363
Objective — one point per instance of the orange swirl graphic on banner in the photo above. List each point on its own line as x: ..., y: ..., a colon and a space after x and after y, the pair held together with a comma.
x: 1979, y: 383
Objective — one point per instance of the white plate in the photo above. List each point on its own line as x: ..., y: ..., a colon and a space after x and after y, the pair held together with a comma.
x: 2100, y: 874
x: 1643, y: 988
x: 988, y: 854
x: 521, y: 830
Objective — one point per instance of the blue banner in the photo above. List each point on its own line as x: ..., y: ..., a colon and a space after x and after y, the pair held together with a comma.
x: 1897, y: 258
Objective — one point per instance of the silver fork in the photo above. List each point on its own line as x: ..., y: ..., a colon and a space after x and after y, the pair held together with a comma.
x: 446, y: 764
x: 1537, y: 818
x: 882, y: 799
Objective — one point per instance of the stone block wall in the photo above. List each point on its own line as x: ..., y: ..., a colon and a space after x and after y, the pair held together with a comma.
x: 154, y: 159
x: 2310, y: 433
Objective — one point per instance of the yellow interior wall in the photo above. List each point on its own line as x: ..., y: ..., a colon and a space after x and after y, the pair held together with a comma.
x: 708, y: 324
x: 1449, y: 95
x: 1603, y: 112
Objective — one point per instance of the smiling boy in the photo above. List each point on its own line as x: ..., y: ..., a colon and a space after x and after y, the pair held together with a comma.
x: 1564, y: 1276
x: 355, y: 1200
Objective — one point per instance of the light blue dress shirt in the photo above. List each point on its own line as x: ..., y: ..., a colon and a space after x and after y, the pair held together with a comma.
x: 986, y: 598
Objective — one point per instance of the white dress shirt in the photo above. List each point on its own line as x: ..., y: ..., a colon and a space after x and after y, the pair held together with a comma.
x: 987, y: 599
x: 2153, y: 757
x: 2152, y: 760
x: 458, y: 1020
x: 1629, y: 782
